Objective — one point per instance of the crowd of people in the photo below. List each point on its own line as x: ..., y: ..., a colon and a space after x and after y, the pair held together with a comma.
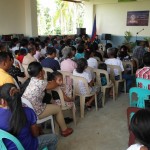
x: 66, y: 53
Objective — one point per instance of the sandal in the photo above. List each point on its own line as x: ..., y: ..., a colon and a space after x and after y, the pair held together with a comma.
x: 67, y: 132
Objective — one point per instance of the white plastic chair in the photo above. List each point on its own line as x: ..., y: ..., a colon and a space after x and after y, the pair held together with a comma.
x: 109, y: 84
x: 63, y: 106
x: 26, y: 70
x: 112, y: 77
x: 47, y: 70
x: 76, y: 92
x: 39, y: 121
x: 128, y: 63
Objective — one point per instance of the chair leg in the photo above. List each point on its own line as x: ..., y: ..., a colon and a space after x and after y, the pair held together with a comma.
x: 103, y: 98
x: 52, y: 125
x: 74, y: 114
x: 116, y: 88
x: 96, y: 101
x: 124, y: 86
x: 114, y: 96
x: 82, y: 105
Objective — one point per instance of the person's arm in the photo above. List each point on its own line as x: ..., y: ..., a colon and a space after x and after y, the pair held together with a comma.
x: 51, y: 85
x: 36, y: 130
x: 66, y: 98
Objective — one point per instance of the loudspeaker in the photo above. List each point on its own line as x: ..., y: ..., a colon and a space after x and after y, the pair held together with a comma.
x: 81, y: 31
x: 106, y: 36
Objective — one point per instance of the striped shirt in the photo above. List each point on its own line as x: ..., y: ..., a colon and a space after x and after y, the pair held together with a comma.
x: 143, y: 73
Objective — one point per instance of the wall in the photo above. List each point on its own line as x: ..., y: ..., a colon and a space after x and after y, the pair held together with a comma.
x: 18, y: 17
x: 111, y: 18
x: 12, y: 16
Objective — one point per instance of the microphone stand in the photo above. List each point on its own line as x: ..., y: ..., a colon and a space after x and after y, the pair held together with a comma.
x: 138, y: 33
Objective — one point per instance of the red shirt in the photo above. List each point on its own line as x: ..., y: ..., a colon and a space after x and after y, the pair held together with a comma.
x: 20, y: 58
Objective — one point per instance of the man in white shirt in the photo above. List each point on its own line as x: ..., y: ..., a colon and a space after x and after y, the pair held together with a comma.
x: 111, y: 52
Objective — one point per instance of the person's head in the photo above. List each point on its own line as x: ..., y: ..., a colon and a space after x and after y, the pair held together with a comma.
x: 146, y: 59
x: 24, y: 43
x: 111, y: 52
x: 81, y: 65
x: 102, y: 66
x: 89, y: 54
x: 123, y: 52
x: 68, y: 42
x: 108, y: 45
x: 10, y: 98
x: 66, y: 52
x: 32, y: 49
x: 35, y: 69
x: 2, y: 48
x: 73, y: 50
x: 5, y: 61
x: 56, y: 76
x: 23, y: 52
x: 80, y: 48
x: 51, y: 51
x: 95, y: 46
x: 140, y: 126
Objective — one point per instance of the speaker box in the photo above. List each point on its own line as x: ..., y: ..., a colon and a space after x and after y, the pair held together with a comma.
x: 106, y: 36
x: 81, y: 31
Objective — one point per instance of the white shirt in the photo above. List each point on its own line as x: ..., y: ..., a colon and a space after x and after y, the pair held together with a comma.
x: 135, y: 147
x: 92, y: 62
x: 85, y: 75
x: 114, y: 61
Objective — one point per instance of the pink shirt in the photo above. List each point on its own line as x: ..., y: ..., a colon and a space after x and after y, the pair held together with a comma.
x: 68, y: 65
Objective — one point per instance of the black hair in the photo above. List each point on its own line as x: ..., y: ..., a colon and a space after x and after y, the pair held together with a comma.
x: 18, y: 118
x: 123, y: 52
x: 87, y: 54
x: 146, y: 59
x: 95, y: 46
x: 34, y: 69
x: 24, y: 42
x: 3, y: 56
x: 50, y: 50
x: 73, y: 48
x: 81, y: 65
x: 53, y: 75
x: 23, y: 51
x: 42, y: 45
x: 140, y: 126
x: 68, y: 42
x: 55, y: 42
x: 17, y: 52
x: 80, y: 48
x: 102, y: 66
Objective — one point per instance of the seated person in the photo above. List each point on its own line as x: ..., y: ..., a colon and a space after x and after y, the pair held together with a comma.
x: 145, y: 71
x: 111, y: 52
x: 35, y: 92
x: 21, y: 122
x: 15, y: 71
x: 80, y: 52
x: 140, y: 126
x: 82, y: 72
x: 5, y: 65
x: 49, y: 61
x: 58, y: 78
x: 21, y: 54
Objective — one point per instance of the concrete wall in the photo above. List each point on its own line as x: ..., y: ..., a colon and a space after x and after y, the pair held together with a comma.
x: 111, y: 18
x: 12, y: 16
x: 18, y: 17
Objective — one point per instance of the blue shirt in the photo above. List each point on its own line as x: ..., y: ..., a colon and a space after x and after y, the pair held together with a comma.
x: 50, y: 63
x: 25, y: 137
x: 79, y: 55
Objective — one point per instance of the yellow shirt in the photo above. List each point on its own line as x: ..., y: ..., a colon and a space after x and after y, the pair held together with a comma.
x: 5, y: 77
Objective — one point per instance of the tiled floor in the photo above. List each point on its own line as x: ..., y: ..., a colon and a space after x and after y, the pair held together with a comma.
x: 105, y: 129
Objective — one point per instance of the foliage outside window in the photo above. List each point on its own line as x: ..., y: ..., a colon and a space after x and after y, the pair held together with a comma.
x: 59, y: 17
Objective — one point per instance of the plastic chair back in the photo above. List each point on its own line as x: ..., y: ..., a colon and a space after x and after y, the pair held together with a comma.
x: 6, y: 135
x: 47, y: 70
x: 145, y: 82
x: 142, y: 94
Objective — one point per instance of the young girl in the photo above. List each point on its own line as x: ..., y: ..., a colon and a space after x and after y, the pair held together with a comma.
x: 82, y: 72
x: 140, y: 126
x: 21, y: 122
x: 58, y: 78
x: 35, y: 92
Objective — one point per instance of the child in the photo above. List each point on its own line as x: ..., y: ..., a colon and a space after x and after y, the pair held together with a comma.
x: 21, y: 122
x: 82, y: 72
x: 103, y: 66
x: 34, y: 92
x: 58, y: 78
x: 140, y: 126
